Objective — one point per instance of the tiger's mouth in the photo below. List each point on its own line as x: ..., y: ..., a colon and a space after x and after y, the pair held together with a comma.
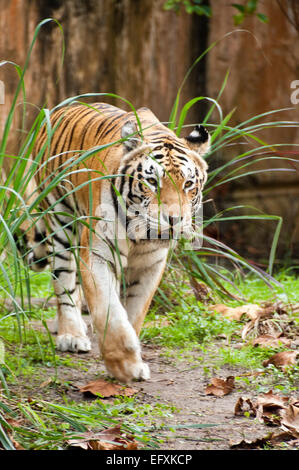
x: 142, y: 224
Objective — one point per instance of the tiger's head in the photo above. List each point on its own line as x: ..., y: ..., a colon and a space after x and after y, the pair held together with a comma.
x: 161, y: 180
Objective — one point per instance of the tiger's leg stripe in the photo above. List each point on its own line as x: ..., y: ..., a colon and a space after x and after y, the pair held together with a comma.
x: 37, y: 252
x: 67, y: 206
x: 62, y: 242
x: 61, y: 256
x: 65, y: 225
x: 58, y: 271
x: 104, y: 260
x: 64, y: 203
x: 69, y: 291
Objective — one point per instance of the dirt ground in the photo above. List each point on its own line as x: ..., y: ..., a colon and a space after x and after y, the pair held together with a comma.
x: 181, y: 384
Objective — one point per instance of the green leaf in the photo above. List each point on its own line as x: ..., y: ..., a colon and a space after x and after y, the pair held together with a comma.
x: 251, y: 6
x: 203, y: 10
x: 263, y: 18
x: 239, y: 7
x: 189, y: 9
x: 172, y: 5
x: 238, y: 19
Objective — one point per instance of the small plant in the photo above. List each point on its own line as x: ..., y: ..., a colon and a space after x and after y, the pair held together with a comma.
x: 199, y: 7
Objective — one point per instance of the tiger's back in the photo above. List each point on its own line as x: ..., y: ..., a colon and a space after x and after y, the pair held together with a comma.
x: 80, y: 128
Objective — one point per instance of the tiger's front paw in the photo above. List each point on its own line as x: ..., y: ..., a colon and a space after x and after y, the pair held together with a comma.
x: 126, y: 370
x: 68, y: 342
x: 141, y: 371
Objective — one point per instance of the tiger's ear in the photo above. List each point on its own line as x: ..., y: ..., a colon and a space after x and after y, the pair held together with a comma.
x: 129, y: 132
x: 199, y: 140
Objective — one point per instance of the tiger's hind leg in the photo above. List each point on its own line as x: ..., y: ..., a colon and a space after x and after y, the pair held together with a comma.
x: 71, y: 328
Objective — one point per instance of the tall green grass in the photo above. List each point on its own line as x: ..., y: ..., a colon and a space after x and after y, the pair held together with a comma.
x: 16, y: 208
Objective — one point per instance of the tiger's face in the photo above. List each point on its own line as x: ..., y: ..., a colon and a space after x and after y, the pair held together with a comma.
x: 162, y: 183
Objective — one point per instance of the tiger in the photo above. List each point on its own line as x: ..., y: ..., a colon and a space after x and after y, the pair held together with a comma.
x: 134, y: 186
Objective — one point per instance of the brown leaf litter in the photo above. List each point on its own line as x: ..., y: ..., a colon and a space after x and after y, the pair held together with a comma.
x: 270, y: 439
x: 109, y: 439
x: 271, y: 341
x: 220, y: 387
x: 253, y: 311
x: 282, y: 359
x: 269, y: 323
x: 273, y: 410
x: 107, y: 389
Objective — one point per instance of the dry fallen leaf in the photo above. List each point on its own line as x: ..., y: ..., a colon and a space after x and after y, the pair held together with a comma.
x: 256, y: 444
x: 253, y: 311
x: 228, y: 312
x: 107, y: 389
x: 261, y: 319
x: 269, y: 440
x: 265, y: 341
x: 220, y: 387
x: 269, y: 407
x: 273, y: 409
x: 109, y: 439
x: 290, y: 419
x: 282, y: 359
x: 244, y: 405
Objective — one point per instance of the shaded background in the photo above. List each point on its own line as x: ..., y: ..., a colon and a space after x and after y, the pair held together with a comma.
x: 139, y: 51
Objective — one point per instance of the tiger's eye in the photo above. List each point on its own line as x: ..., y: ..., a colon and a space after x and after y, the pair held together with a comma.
x: 152, y: 181
x: 188, y: 184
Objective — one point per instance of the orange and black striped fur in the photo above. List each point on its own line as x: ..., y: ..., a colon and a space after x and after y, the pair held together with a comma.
x: 134, y: 192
